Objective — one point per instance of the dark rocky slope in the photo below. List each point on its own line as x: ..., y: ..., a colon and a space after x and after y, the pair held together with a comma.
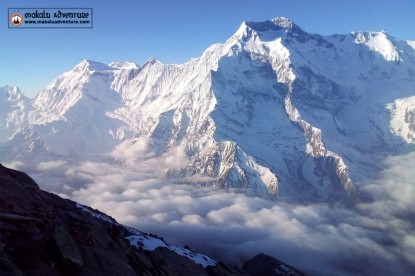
x: 265, y: 265
x: 43, y: 234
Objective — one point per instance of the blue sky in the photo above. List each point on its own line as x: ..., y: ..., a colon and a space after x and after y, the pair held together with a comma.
x: 172, y: 31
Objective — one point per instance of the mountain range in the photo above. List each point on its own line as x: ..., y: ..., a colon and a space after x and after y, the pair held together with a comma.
x: 274, y: 111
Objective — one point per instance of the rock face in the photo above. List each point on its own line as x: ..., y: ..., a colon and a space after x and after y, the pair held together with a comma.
x: 43, y: 234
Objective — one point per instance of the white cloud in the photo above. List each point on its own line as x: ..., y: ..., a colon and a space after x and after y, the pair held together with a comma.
x: 374, y: 238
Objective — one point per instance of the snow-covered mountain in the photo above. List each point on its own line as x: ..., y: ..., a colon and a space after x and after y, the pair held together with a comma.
x: 275, y: 111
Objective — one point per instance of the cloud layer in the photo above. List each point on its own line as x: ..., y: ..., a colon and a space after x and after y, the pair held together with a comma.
x: 376, y: 237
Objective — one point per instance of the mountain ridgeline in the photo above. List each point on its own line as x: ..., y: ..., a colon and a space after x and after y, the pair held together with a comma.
x: 274, y: 111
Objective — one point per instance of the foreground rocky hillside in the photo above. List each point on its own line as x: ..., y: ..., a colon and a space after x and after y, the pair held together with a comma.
x: 43, y: 234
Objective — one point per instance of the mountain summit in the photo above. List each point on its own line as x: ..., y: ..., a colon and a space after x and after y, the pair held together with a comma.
x: 274, y: 111
x: 275, y: 24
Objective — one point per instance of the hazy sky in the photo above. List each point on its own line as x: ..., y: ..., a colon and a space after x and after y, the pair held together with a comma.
x: 172, y: 31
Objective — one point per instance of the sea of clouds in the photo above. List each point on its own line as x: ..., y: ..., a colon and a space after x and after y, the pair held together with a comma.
x: 376, y: 237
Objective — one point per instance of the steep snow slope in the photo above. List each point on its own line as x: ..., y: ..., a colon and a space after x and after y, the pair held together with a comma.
x: 274, y: 110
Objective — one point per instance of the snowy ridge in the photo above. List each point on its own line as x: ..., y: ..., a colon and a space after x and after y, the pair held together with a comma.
x: 151, y: 242
x: 274, y: 111
x: 316, y: 148
x: 148, y: 241
x: 96, y: 213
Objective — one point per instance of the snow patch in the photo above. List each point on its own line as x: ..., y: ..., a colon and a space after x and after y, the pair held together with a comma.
x: 151, y: 242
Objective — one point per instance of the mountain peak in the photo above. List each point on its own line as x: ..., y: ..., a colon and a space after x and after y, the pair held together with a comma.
x: 263, y: 264
x: 91, y: 65
x: 283, y: 22
x: 268, y: 29
x: 12, y: 93
x: 11, y: 89
x: 152, y: 61
x: 275, y: 24
x: 124, y: 65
